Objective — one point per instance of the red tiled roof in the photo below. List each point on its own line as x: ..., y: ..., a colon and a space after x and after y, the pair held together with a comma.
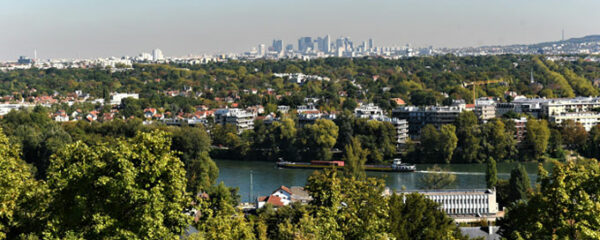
x: 262, y: 198
x: 275, y: 201
x: 398, y: 101
x: 284, y: 188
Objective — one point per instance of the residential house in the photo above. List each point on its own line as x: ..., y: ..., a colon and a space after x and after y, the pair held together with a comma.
x: 61, y: 116
x: 283, y: 196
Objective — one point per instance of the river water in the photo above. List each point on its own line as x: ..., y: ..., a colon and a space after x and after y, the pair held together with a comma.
x: 266, y: 177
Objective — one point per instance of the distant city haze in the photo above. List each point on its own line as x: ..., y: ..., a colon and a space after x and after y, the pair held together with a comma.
x: 94, y: 28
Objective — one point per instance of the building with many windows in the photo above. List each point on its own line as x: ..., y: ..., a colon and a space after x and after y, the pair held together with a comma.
x: 587, y: 119
x: 240, y: 118
x: 485, y: 109
x: 466, y: 205
x: 368, y: 111
x: 418, y: 117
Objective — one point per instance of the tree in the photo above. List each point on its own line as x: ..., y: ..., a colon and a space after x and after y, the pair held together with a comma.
x: 349, y: 104
x: 22, y: 199
x: 131, y: 107
x: 193, y: 144
x: 319, y: 138
x: 349, y: 207
x: 565, y: 207
x: 437, y: 178
x: 354, y: 158
x: 448, y: 141
x: 467, y: 132
x: 491, y: 175
x: 201, y: 173
x: 282, y: 136
x: 413, y: 216
x: 134, y: 188
x: 592, y: 146
x: 438, y: 144
x: 496, y: 142
x: 555, y: 141
x: 425, y: 97
x: 536, y: 139
x: 217, y: 217
x: 519, y: 184
x: 573, y: 133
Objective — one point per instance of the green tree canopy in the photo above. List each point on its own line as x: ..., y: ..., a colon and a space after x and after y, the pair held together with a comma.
x: 132, y: 189
x: 491, y: 174
x: 565, y: 207
x: 319, y: 138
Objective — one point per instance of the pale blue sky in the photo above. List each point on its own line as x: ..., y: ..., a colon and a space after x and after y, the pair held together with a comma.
x: 95, y: 28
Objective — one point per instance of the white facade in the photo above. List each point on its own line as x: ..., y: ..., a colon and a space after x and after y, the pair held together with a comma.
x: 587, y: 119
x: 368, y: 111
x: 116, y: 98
x: 157, y: 55
x: 240, y: 118
x: 485, y: 108
x: 465, y: 202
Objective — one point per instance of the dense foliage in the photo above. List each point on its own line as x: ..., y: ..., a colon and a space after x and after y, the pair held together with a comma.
x: 565, y: 207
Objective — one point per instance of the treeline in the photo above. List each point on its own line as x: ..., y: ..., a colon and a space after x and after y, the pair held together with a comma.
x: 40, y: 137
x: 465, y: 141
x: 419, y: 81
x: 290, y: 141
x: 468, y: 141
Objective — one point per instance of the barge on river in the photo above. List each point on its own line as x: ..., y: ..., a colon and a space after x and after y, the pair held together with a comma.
x: 396, y: 166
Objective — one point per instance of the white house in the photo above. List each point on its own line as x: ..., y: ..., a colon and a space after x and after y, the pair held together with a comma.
x: 61, y: 116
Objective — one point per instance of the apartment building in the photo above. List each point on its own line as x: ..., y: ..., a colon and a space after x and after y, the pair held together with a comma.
x: 418, y: 117
x: 587, y: 119
x: 240, y: 118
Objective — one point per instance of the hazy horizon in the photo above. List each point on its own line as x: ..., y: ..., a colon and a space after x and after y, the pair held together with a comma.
x: 89, y: 29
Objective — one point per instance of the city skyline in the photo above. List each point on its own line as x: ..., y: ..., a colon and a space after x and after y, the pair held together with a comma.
x: 72, y: 29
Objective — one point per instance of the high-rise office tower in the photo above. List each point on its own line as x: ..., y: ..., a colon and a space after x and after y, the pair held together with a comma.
x: 157, y: 55
x: 339, y: 43
x: 262, y: 49
x: 304, y: 43
x: 370, y: 43
x: 317, y: 43
x: 277, y: 45
x: 327, y: 44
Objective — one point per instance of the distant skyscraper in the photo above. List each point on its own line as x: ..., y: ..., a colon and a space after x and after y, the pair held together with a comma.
x: 370, y: 43
x: 304, y: 43
x: 327, y: 43
x: 262, y: 50
x: 157, y: 55
x: 339, y: 43
x: 277, y: 45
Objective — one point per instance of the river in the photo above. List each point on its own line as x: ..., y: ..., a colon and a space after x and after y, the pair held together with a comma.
x: 266, y: 177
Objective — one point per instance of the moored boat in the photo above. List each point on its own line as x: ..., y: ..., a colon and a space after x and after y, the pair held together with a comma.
x: 396, y: 166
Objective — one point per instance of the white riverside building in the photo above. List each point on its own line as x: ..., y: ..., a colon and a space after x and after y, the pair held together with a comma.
x: 465, y: 205
x: 240, y: 118
x: 587, y: 119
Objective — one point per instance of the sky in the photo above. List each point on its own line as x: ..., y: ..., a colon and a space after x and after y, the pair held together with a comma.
x: 104, y: 28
